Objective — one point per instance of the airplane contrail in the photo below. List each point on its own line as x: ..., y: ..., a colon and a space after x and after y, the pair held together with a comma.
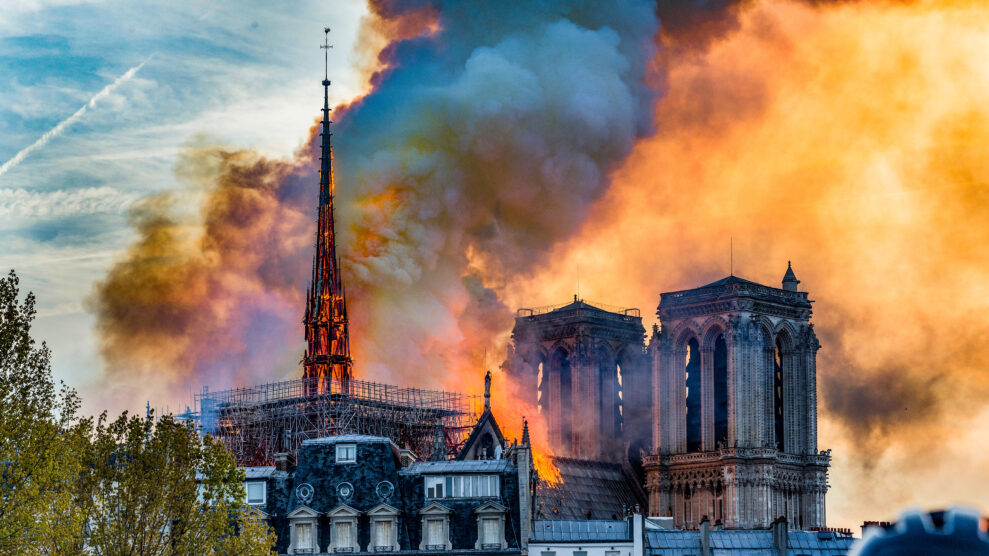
x: 58, y: 129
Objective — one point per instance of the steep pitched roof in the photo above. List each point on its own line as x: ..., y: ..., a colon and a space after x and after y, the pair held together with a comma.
x: 588, y: 490
x: 486, y: 421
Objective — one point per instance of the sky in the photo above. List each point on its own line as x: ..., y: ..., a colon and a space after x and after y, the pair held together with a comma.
x: 244, y: 73
x: 158, y: 183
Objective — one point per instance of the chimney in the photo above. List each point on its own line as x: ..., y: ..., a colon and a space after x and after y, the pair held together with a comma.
x: 705, y: 537
x: 780, y: 535
x: 283, y: 461
x: 407, y: 457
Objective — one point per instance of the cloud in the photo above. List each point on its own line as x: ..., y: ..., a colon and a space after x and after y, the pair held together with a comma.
x: 19, y: 205
x: 61, y: 126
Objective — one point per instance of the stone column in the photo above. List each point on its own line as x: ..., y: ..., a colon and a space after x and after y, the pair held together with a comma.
x: 731, y: 498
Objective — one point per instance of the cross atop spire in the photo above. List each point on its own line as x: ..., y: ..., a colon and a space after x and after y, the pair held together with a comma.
x: 326, y: 46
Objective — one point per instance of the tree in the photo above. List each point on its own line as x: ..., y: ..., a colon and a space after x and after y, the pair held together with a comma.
x: 42, y: 441
x: 159, y: 488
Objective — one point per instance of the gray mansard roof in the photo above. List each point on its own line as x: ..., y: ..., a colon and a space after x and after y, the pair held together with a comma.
x: 587, y: 530
x: 675, y: 542
x: 454, y: 466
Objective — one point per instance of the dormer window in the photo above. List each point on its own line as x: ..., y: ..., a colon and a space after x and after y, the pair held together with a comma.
x: 491, y: 526
x: 256, y: 495
x: 346, y: 453
x: 462, y: 486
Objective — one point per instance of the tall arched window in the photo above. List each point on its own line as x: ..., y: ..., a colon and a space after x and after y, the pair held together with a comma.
x: 778, y: 394
x: 692, y: 368
x: 720, y: 391
x: 609, y: 391
x: 541, y: 387
x: 561, y: 365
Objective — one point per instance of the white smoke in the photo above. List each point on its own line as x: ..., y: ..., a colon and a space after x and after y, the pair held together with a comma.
x: 60, y: 127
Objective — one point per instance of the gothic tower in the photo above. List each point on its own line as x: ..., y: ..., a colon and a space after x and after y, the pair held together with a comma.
x: 584, y: 367
x: 327, y: 337
x: 735, y: 407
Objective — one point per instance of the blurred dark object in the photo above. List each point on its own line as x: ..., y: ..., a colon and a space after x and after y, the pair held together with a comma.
x: 958, y: 531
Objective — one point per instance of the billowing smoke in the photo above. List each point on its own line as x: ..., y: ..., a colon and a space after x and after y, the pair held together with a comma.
x: 474, y: 179
x: 851, y: 139
x: 487, y: 136
x: 209, y: 299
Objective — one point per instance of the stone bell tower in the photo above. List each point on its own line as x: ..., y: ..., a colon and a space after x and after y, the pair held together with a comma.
x: 735, y: 407
x: 587, y: 374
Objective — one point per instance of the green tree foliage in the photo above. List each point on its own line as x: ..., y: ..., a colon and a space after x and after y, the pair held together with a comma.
x: 42, y: 442
x: 131, y: 486
x: 160, y: 489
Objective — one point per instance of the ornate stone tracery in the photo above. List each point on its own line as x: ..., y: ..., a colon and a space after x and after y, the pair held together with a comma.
x: 768, y: 465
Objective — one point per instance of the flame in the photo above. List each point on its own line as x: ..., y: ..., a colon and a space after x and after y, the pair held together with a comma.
x: 547, y: 470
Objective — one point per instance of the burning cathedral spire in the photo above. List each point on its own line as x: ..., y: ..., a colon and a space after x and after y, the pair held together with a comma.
x: 327, y: 337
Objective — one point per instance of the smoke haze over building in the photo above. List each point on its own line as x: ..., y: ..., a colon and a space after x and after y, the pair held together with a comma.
x: 498, y: 150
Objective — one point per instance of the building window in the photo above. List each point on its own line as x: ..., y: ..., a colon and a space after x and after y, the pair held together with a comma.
x: 304, y: 538
x: 303, y: 531
x: 491, y: 526
x: 611, y: 553
x: 382, y: 535
x: 462, y: 486
x: 580, y: 553
x: 435, y: 527
x: 547, y: 553
x: 343, y: 531
x: 434, y: 534
x: 384, y: 528
x: 434, y: 487
x: 346, y: 453
x: 256, y: 495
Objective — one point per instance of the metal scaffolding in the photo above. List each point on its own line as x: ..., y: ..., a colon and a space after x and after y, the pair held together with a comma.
x: 258, y: 421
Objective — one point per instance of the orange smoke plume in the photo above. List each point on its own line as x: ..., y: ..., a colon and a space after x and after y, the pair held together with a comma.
x: 850, y: 138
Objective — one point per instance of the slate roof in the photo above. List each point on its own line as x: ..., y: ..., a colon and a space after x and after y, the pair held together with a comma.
x: 259, y: 472
x: 586, y: 530
x: 730, y: 280
x: 588, y: 490
x: 344, y: 438
x: 471, y: 466
x: 757, y: 542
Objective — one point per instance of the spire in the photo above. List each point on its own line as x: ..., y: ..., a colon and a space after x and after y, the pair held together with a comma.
x: 525, y: 432
x: 487, y: 391
x: 790, y: 279
x: 327, y: 332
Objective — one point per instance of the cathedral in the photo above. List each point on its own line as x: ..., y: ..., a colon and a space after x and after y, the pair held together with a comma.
x: 718, y: 413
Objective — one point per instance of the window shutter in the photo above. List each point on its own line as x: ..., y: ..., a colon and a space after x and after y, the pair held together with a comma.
x: 343, y: 535
x: 434, y: 532
x: 303, y: 535
x: 490, y: 531
x: 382, y: 533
